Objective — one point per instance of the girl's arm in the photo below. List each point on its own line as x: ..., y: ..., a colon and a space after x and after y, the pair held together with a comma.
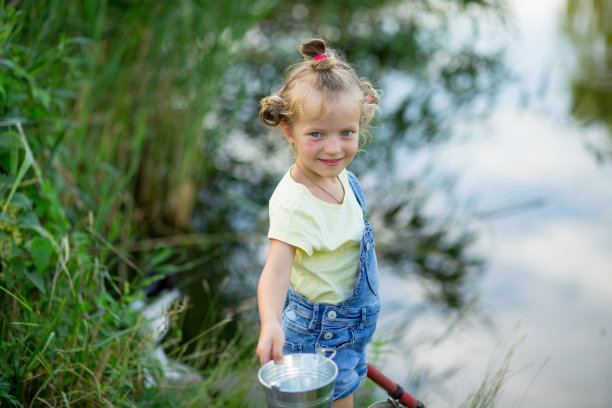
x: 271, y: 294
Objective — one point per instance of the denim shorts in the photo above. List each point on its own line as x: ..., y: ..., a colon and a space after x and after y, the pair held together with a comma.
x: 308, y: 326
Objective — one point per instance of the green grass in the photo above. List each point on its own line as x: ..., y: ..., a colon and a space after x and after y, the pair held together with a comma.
x: 491, y: 387
x: 68, y: 336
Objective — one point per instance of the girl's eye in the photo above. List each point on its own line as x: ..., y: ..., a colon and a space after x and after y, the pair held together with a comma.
x: 315, y: 134
x: 347, y: 132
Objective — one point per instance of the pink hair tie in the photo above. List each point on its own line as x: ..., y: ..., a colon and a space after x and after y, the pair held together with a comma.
x: 320, y: 57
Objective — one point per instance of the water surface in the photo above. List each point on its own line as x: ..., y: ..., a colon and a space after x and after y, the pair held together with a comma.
x: 546, y: 234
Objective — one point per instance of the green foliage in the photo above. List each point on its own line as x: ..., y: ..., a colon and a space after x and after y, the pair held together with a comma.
x: 59, y: 321
x: 66, y: 338
x: 586, y: 24
x: 68, y: 335
x: 155, y: 75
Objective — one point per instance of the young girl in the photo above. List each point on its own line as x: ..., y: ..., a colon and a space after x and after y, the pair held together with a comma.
x: 319, y: 286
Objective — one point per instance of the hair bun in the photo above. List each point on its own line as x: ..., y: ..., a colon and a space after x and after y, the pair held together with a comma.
x: 312, y: 48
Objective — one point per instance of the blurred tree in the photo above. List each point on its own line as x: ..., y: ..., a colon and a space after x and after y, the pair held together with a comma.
x: 587, y: 25
x: 156, y: 75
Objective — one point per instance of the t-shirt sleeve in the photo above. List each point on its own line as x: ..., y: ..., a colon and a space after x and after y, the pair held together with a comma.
x: 288, y: 223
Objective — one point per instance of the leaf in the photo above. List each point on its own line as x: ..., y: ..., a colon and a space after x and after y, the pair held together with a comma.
x: 80, y: 41
x: 43, y: 232
x: 41, y: 250
x: 55, y: 207
x: 27, y: 162
x: 7, y: 63
x: 36, y: 278
x: 42, y: 96
x: 20, y: 299
x: 22, y: 73
x: 29, y: 220
x: 22, y: 201
x: 160, y: 257
x: 9, y: 139
x: 7, y: 218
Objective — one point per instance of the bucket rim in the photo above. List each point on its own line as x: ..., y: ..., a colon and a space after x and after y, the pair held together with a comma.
x: 296, y: 355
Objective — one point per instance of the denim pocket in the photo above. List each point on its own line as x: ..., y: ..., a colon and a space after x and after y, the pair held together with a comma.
x: 298, y: 336
x: 337, y: 338
x: 290, y: 347
x: 366, y: 334
x: 294, y: 321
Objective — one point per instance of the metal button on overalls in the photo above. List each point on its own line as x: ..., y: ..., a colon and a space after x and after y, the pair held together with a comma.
x: 328, y: 336
x: 332, y: 315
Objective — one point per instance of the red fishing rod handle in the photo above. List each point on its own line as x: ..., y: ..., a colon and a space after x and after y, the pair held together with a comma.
x: 393, y: 389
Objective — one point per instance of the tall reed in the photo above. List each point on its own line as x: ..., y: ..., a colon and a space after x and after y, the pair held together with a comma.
x: 68, y: 335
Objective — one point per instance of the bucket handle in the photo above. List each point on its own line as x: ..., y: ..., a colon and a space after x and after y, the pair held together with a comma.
x: 322, y: 351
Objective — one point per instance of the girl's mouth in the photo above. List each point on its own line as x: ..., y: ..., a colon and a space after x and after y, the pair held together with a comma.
x: 331, y: 163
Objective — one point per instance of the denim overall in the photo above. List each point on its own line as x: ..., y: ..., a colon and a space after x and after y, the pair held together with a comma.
x: 346, y: 327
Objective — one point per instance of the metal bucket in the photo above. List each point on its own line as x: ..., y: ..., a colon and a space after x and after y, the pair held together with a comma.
x: 389, y: 403
x: 303, y: 380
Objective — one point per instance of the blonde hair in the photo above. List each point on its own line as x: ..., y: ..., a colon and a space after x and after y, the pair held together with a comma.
x: 322, y: 73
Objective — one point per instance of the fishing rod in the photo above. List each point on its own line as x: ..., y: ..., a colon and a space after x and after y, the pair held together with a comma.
x: 394, y: 390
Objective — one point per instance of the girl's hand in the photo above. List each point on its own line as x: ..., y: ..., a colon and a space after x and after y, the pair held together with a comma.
x: 270, y: 344
x: 271, y: 295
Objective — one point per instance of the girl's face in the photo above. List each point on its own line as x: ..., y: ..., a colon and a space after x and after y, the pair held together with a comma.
x: 326, y: 139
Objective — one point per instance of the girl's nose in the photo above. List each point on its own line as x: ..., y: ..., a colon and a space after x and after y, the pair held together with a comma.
x: 332, y: 146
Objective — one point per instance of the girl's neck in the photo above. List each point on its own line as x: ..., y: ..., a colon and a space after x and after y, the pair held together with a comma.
x: 331, y: 191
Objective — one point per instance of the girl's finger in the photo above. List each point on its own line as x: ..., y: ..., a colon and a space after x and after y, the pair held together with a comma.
x: 264, y: 352
x: 277, y: 352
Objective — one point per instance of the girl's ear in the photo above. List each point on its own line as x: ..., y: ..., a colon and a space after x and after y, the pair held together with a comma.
x: 287, y: 131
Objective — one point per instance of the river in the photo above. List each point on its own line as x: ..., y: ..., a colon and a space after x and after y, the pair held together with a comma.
x: 547, y: 289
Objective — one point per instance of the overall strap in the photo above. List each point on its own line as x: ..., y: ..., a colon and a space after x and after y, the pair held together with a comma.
x: 357, y: 190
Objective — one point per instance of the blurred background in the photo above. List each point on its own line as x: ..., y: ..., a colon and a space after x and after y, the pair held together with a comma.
x: 146, y: 172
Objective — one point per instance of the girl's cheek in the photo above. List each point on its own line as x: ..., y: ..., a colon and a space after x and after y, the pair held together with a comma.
x: 311, y: 144
x: 353, y: 145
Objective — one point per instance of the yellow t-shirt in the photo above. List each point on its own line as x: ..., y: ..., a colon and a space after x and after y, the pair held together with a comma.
x: 327, y: 236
